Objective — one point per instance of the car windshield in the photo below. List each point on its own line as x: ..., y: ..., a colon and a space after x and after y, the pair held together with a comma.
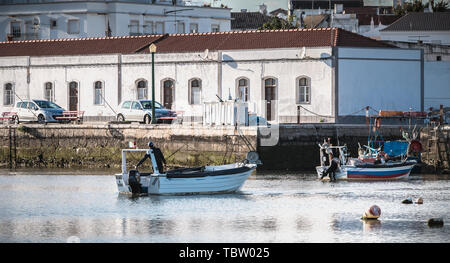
x: 147, y: 104
x: 45, y: 104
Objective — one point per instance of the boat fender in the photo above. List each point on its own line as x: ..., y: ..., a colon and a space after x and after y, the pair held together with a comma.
x: 407, y: 201
x: 372, y: 213
x: 134, y: 181
x: 415, y: 146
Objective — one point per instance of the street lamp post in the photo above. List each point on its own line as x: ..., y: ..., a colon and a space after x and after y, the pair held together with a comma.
x: 153, y: 51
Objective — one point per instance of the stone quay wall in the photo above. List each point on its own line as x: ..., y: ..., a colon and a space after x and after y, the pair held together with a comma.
x: 99, y: 146
x: 436, y: 148
x: 297, y: 148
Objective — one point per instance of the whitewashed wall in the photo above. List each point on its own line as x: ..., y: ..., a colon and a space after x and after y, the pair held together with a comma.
x: 388, y: 79
x: 286, y: 67
x: 216, y: 78
x: 385, y: 79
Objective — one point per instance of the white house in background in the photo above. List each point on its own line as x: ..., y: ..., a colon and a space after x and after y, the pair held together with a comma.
x: 51, y: 19
x: 431, y: 28
x: 287, y: 76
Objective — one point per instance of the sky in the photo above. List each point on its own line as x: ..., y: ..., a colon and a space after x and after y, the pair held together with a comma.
x: 250, y: 5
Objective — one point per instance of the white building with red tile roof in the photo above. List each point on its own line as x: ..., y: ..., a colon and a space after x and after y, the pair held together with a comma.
x: 287, y: 76
x: 52, y: 19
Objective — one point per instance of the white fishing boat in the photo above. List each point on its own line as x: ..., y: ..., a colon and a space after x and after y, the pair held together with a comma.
x: 355, y: 169
x: 198, y: 180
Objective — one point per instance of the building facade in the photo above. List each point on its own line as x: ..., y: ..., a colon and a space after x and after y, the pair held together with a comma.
x: 286, y: 76
x: 436, y: 72
x: 51, y: 19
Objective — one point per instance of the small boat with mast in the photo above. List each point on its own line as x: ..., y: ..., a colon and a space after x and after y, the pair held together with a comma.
x: 355, y: 169
x: 218, y: 179
x: 395, y: 162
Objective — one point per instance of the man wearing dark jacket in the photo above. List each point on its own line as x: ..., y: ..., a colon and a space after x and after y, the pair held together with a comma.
x: 158, y: 156
x: 331, y: 170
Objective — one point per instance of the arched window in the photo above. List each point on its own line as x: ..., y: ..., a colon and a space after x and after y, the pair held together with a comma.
x: 195, y: 91
x: 303, y: 90
x: 98, y: 93
x: 8, y: 94
x: 243, y: 89
x: 142, y: 90
x: 48, y: 91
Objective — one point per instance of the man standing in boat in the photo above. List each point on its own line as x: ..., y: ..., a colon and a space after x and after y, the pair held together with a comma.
x: 158, y: 156
x: 331, y: 170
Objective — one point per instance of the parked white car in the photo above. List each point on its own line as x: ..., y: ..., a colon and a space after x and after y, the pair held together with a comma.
x: 141, y: 111
x: 41, y: 111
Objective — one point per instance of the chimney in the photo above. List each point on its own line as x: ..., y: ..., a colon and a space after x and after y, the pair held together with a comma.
x: 338, y: 8
x: 243, y: 10
x: 263, y: 9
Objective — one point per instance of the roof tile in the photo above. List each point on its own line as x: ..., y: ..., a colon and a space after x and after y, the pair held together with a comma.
x: 193, y: 42
x: 439, y: 21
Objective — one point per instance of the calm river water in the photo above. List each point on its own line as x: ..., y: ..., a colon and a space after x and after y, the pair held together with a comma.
x: 52, y: 206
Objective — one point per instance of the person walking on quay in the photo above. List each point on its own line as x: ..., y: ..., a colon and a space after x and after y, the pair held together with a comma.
x: 158, y: 156
x: 331, y: 170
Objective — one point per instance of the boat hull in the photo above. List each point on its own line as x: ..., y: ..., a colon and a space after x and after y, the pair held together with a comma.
x: 372, y: 173
x: 165, y: 185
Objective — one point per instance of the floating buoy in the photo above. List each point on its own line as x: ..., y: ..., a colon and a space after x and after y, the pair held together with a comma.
x: 407, y: 201
x: 373, y: 212
x: 435, y: 222
x: 419, y: 201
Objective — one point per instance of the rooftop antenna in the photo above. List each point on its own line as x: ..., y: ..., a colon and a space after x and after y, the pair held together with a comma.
x: 303, y: 53
x: 205, y: 54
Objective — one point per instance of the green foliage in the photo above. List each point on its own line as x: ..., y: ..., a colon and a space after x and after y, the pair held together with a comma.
x: 278, y: 23
x: 440, y: 6
x: 417, y: 6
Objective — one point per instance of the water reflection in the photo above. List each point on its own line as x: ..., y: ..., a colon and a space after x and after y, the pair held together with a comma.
x: 50, y: 208
x: 371, y: 225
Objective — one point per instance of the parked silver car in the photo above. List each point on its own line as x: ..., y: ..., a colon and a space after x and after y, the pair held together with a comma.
x: 37, y: 110
x: 141, y: 111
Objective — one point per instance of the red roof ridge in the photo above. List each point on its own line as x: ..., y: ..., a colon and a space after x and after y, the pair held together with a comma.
x: 78, y: 39
x: 159, y: 35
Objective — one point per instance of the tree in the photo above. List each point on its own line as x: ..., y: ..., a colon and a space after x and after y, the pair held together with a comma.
x: 417, y: 6
x: 278, y: 23
x: 407, y: 7
x: 440, y: 6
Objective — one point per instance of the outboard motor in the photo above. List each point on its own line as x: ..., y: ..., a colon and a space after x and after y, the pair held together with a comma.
x: 134, y: 180
x: 252, y: 158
